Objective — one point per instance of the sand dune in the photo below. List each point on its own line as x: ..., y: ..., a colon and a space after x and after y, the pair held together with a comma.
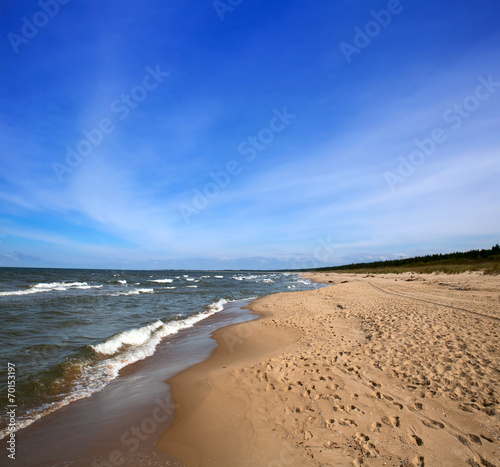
x: 374, y: 370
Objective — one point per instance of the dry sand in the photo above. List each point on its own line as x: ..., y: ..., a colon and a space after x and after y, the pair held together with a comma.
x: 373, y: 370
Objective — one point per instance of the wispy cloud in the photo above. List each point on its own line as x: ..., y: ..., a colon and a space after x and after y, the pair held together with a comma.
x: 319, y: 184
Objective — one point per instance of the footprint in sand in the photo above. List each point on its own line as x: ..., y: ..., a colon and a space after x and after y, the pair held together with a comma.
x: 376, y: 427
x: 352, y: 409
x: 393, y: 421
x: 432, y: 424
x: 347, y: 422
x: 474, y: 438
x: 417, y: 440
x: 463, y: 440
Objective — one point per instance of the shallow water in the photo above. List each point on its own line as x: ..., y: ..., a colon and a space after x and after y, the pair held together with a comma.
x: 70, y: 333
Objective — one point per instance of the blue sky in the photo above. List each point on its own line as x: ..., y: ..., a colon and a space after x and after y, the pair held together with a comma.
x: 261, y: 135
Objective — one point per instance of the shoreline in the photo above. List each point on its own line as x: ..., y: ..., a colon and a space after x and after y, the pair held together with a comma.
x: 197, y: 397
x: 119, y: 424
x: 371, y: 370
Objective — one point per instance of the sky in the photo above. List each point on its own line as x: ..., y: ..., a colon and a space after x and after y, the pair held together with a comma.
x: 238, y: 134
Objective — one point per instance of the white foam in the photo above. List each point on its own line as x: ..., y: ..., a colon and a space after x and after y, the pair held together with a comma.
x: 153, y: 332
x: 21, y: 292
x: 132, y: 292
x: 305, y: 282
x: 242, y: 277
x: 132, y: 337
x: 122, y: 281
x: 219, y: 277
x: 141, y: 335
x: 190, y: 279
x: 218, y: 306
x: 55, y: 285
x: 162, y: 281
x: 141, y: 343
x: 192, y: 286
x: 51, y: 287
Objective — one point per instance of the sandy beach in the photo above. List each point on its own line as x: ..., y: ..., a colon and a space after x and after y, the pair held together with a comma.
x: 371, y: 370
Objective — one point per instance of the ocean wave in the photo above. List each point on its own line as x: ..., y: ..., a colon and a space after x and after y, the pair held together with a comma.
x: 132, y: 337
x: 50, y: 287
x: 162, y: 281
x: 132, y: 292
x: 219, y: 277
x: 21, y: 292
x: 303, y: 281
x: 53, y: 285
x: 192, y: 286
x: 248, y: 277
x: 153, y: 332
x: 218, y: 306
x: 111, y: 356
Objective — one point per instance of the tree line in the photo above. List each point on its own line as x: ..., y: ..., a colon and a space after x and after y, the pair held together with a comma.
x: 472, y: 255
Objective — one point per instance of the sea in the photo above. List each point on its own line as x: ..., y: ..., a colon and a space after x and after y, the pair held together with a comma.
x: 70, y: 332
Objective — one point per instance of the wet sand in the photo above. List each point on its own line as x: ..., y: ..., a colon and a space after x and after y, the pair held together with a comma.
x: 120, y: 424
x: 373, y: 370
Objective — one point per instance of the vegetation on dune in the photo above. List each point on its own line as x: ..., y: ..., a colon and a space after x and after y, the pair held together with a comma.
x: 487, y: 261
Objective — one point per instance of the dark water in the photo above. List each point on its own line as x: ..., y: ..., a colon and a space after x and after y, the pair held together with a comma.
x: 70, y: 332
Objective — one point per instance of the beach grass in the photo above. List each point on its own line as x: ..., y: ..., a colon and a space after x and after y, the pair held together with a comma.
x: 445, y: 267
x: 487, y: 261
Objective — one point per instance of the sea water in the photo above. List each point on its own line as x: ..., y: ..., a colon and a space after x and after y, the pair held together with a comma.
x: 69, y: 332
